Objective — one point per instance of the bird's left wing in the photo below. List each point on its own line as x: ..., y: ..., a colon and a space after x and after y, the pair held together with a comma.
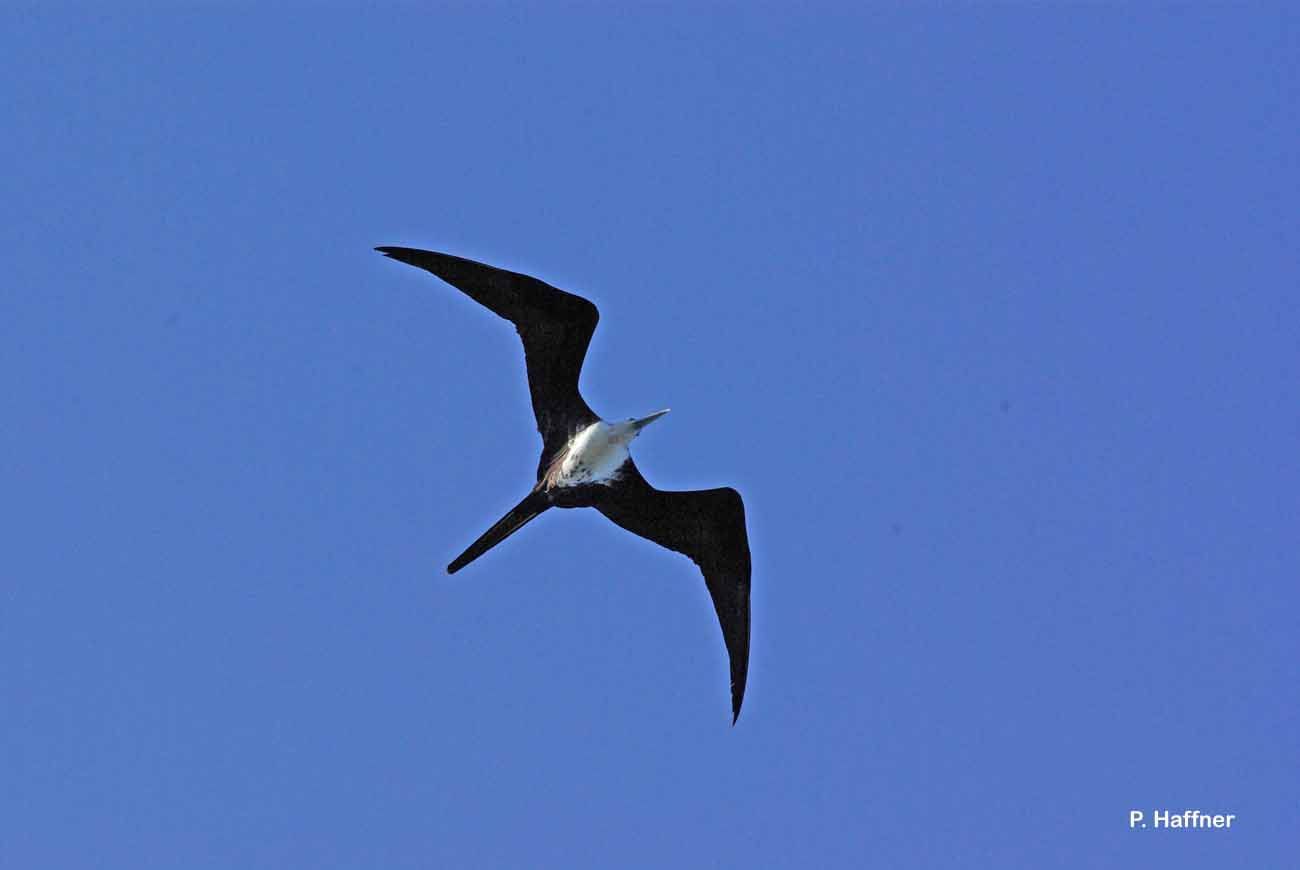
x: 709, y: 526
x: 555, y: 327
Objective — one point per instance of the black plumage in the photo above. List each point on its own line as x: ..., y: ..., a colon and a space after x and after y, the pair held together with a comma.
x: 556, y: 328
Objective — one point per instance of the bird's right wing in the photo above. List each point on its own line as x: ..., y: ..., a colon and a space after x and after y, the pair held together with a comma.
x: 555, y: 327
x: 709, y: 526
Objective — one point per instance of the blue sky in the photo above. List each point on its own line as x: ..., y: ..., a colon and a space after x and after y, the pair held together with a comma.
x: 990, y: 314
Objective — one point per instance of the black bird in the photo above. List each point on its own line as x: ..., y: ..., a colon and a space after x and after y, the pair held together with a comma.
x: 585, y: 460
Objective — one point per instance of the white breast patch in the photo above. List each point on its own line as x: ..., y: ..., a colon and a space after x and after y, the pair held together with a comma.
x: 593, y: 457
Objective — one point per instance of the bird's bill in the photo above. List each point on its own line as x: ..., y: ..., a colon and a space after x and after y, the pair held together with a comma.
x: 638, y: 425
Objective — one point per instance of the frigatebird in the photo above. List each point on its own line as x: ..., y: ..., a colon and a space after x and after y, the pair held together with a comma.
x: 585, y: 460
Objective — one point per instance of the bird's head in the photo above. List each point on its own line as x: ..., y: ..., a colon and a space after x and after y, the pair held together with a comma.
x: 633, y: 426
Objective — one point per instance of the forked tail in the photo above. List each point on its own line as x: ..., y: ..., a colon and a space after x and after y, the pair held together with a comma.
x: 532, y: 505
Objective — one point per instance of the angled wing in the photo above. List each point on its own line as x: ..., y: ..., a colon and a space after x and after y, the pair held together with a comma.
x: 555, y: 326
x: 709, y: 526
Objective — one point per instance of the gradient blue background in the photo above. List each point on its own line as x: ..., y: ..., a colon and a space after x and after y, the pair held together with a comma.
x: 990, y: 313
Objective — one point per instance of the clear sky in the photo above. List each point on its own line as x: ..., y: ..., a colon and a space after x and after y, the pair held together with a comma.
x: 990, y: 313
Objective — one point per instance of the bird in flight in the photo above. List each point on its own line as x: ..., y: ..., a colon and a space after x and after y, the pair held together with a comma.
x: 585, y: 460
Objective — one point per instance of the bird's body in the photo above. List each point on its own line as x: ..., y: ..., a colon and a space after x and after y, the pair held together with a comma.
x: 586, y: 461
x: 595, y: 455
